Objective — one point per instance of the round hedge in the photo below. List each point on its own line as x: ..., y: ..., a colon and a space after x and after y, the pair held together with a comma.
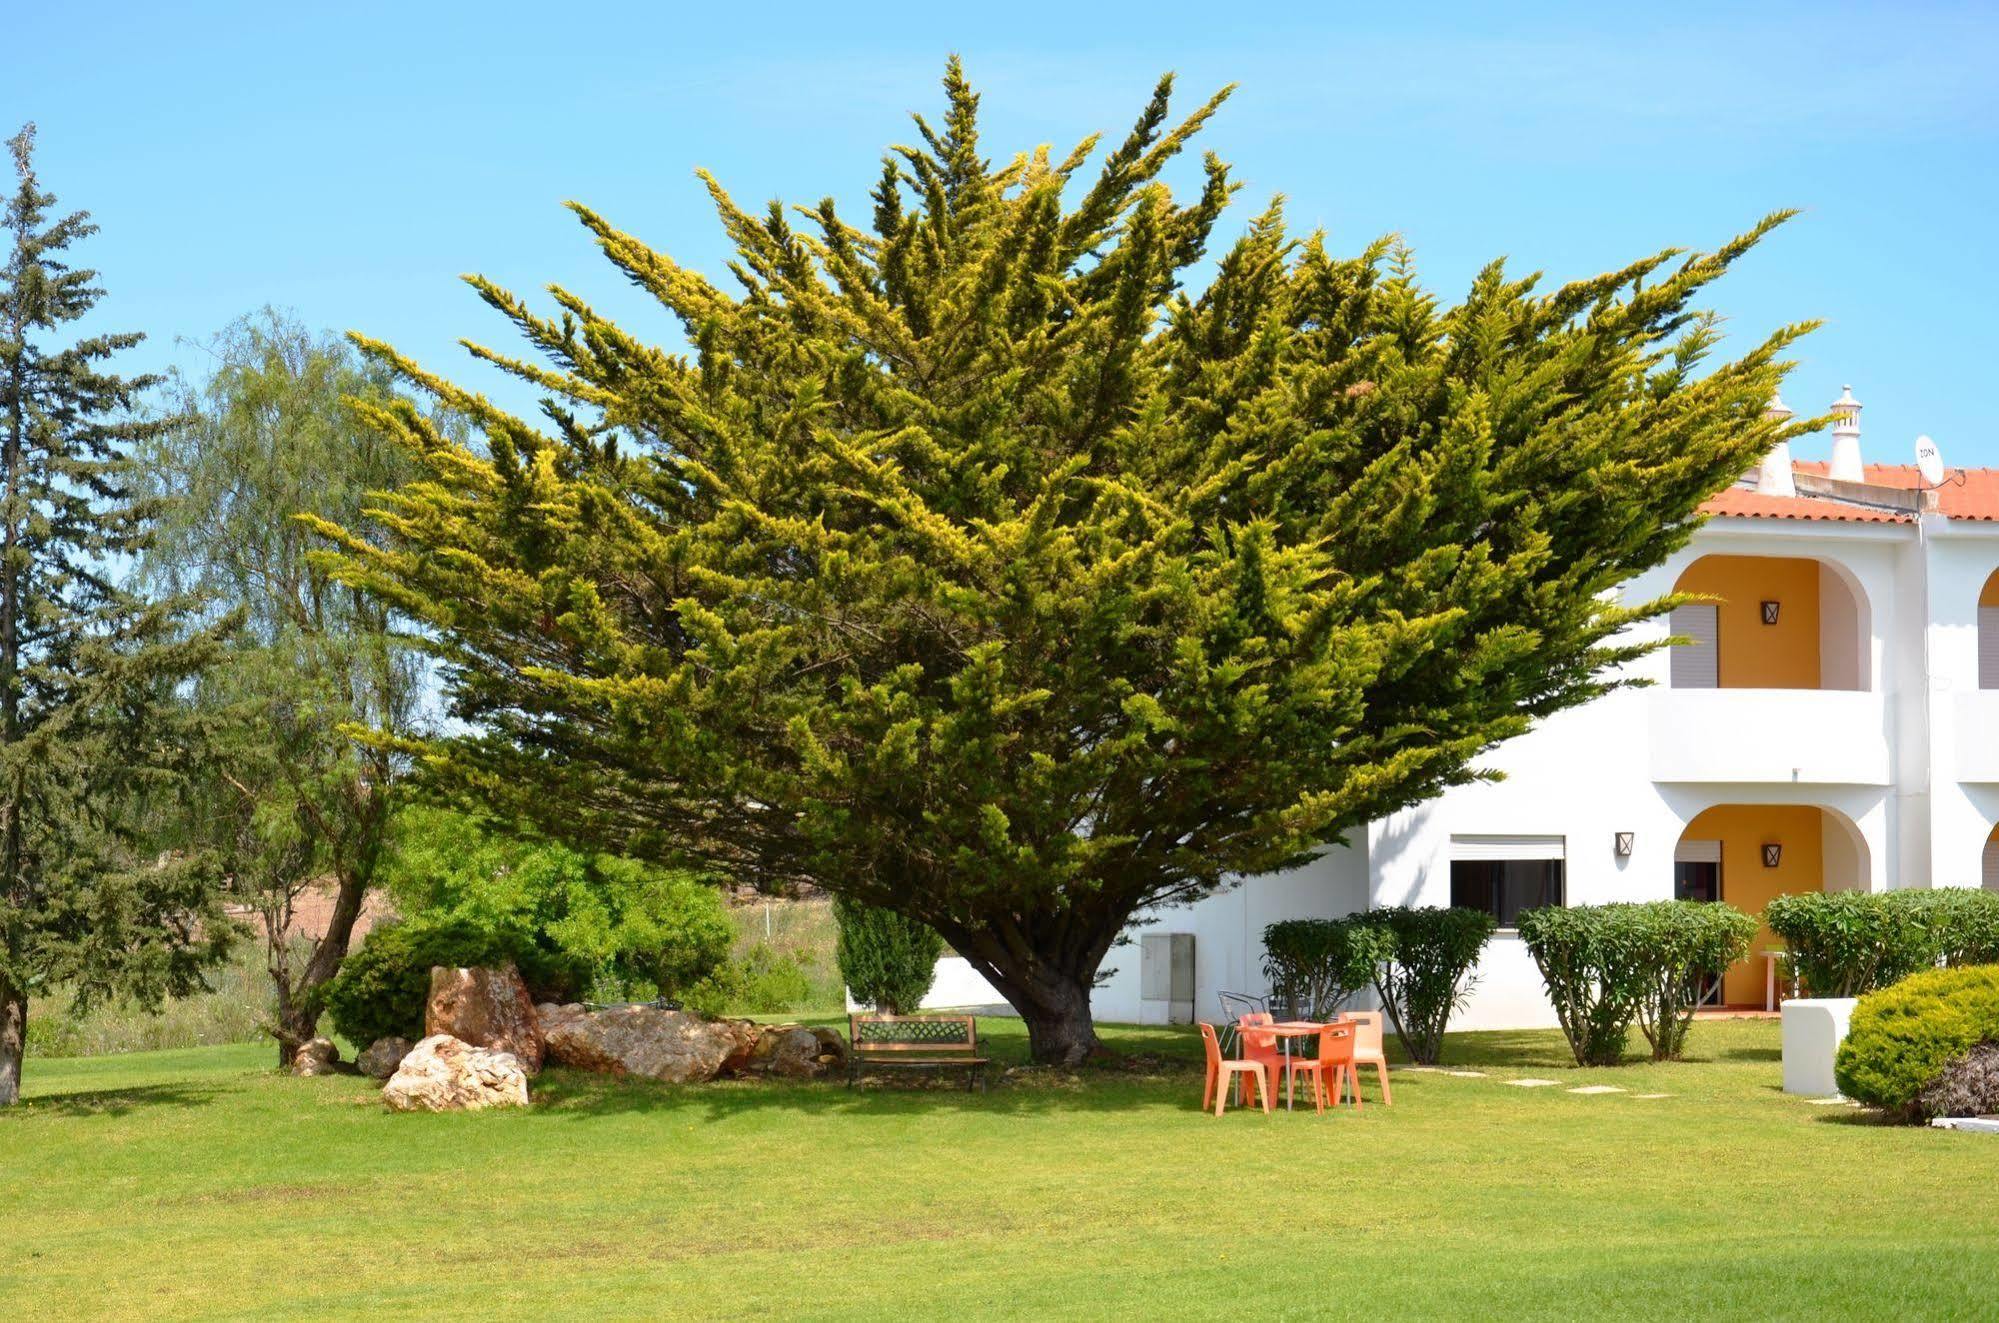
x: 1903, y: 1036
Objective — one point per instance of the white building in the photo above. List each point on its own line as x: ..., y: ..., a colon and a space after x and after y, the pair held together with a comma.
x: 1836, y: 725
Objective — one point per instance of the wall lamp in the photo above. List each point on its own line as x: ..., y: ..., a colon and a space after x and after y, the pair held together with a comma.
x: 1624, y: 840
x: 1769, y: 613
x: 1773, y: 854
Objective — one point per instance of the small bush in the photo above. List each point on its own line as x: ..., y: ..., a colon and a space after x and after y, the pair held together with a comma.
x: 1609, y: 966
x: 1318, y: 964
x: 762, y: 981
x: 1846, y: 943
x: 1425, y: 971
x: 1903, y: 1037
x: 381, y: 989
x: 889, y: 961
x: 1687, y: 942
x: 1592, y: 960
x: 1961, y: 924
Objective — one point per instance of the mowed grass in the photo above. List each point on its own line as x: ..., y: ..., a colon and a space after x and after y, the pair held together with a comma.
x: 196, y: 1183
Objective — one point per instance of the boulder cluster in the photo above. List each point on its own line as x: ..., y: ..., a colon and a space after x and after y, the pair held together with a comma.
x: 484, y: 1039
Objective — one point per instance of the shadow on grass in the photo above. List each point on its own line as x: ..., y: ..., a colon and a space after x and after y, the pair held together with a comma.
x: 115, y: 1102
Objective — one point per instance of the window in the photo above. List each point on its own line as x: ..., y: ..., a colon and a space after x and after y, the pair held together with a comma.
x: 1505, y: 875
x: 1697, y: 870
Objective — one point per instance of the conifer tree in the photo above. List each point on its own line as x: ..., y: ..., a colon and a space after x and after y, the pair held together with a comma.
x: 93, y: 745
x: 973, y: 565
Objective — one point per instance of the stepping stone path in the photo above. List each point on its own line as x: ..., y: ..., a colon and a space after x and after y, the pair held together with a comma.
x: 1651, y: 1095
x: 1534, y: 1084
x: 1597, y: 1088
x: 1466, y: 1074
x: 1832, y: 1102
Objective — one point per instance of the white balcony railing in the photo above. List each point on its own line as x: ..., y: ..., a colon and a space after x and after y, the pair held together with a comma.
x: 1786, y: 736
x: 1975, y: 732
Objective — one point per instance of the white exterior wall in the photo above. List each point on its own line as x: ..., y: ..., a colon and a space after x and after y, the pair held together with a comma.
x: 1902, y: 745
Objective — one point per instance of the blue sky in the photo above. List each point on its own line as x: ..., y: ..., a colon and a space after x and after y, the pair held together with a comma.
x: 348, y: 162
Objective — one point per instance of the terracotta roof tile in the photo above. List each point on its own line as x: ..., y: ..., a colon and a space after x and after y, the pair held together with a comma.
x: 1976, y: 497
x: 1747, y: 503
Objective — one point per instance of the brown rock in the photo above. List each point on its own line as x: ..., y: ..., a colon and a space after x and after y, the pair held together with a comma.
x: 676, y: 1047
x: 790, y: 1051
x: 380, y: 1058
x: 486, y: 1008
x: 442, y: 1074
x: 318, y: 1057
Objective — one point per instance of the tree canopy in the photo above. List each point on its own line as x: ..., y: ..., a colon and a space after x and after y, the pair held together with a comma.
x: 978, y: 562
x: 94, y: 749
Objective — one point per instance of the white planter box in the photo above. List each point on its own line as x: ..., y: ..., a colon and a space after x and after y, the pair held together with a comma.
x: 1814, y: 1027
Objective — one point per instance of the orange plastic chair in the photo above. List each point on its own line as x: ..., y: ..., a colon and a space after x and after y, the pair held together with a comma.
x: 1332, y: 1071
x: 1221, y: 1069
x: 1261, y: 1048
x: 1367, y: 1050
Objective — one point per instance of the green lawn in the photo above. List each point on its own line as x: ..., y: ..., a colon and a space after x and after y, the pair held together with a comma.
x: 195, y: 1183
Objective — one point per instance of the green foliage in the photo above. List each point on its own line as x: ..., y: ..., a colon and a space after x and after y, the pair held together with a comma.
x: 973, y: 566
x: 1594, y: 970
x: 888, y: 961
x: 382, y: 988
x: 1608, y: 966
x: 292, y: 800
x: 574, y: 921
x: 1684, y: 942
x: 761, y: 981
x: 1845, y: 943
x: 1424, y: 972
x: 1960, y: 924
x: 1902, y: 1037
x: 1317, y: 964
x: 94, y: 750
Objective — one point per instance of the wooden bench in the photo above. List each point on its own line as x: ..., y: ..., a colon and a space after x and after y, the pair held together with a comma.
x: 915, y: 1042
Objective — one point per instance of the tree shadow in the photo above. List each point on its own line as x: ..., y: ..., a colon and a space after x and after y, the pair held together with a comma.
x: 115, y: 1102
x: 580, y: 1094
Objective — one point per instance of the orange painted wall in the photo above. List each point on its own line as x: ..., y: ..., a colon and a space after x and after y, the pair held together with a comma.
x: 1755, y: 655
x: 1743, y: 830
x: 1989, y: 594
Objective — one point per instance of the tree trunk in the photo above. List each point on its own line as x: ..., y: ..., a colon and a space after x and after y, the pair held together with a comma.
x: 1048, y: 981
x: 297, y: 1021
x: 13, y: 1043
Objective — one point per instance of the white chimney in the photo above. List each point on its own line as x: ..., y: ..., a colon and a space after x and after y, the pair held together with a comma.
x: 1846, y: 464
x: 1774, y: 479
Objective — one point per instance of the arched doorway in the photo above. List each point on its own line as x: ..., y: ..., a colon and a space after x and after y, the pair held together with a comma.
x: 1779, y: 622
x: 1748, y: 854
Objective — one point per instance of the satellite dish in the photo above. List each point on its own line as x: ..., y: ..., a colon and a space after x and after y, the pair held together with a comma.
x: 1928, y: 462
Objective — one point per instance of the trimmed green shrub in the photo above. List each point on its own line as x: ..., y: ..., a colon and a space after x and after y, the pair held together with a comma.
x: 1317, y: 964
x: 1845, y: 943
x: 1592, y: 959
x: 1901, y: 1038
x: 1685, y: 942
x: 888, y: 961
x: 1961, y: 923
x: 1425, y: 971
x: 381, y: 989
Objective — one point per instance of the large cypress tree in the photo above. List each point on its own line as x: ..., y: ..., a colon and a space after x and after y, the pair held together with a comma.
x: 94, y: 747
x: 971, y: 565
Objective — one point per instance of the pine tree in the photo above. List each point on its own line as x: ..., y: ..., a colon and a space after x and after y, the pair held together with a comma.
x: 93, y: 745
x: 972, y: 566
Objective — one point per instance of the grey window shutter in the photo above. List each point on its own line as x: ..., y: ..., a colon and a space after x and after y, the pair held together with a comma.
x: 1989, y: 865
x: 1695, y: 664
x: 1697, y: 852
x: 1988, y: 647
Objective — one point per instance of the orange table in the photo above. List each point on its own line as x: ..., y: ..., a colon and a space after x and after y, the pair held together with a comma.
x: 1285, y: 1031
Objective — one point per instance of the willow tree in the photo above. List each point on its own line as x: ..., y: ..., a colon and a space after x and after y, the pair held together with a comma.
x: 969, y: 563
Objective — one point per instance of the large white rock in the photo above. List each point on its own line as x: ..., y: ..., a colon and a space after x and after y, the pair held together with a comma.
x: 1814, y: 1027
x: 441, y: 1074
x: 674, y: 1047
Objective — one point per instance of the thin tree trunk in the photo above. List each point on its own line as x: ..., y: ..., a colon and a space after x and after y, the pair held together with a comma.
x: 13, y: 1042
x: 299, y: 1005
